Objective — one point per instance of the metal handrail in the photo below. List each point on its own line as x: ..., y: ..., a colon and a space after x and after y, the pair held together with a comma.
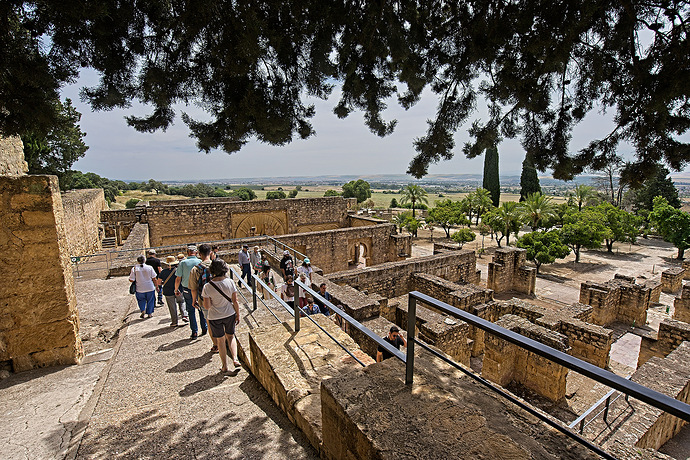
x: 644, y: 394
x: 359, y: 326
x: 240, y: 281
x: 285, y: 246
x: 607, y: 399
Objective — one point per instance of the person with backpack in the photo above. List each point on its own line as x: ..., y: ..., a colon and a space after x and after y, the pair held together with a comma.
x: 199, y: 276
x: 220, y: 301
x: 184, y: 269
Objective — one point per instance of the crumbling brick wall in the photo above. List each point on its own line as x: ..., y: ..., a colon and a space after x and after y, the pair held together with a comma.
x: 39, y: 324
x: 82, y: 215
x: 672, y: 279
x: 507, y: 272
x: 505, y: 363
x: 618, y: 300
x: 671, y: 334
x: 394, y: 279
x: 681, y: 305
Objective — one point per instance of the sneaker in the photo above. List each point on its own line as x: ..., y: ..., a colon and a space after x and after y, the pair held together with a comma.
x: 173, y: 325
x: 160, y: 303
x: 185, y: 319
x: 194, y: 336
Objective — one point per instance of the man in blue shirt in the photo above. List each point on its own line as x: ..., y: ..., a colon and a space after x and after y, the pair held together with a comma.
x: 245, y: 263
x: 184, y: 268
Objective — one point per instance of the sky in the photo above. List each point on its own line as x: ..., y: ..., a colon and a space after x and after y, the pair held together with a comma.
x: 339, y: 147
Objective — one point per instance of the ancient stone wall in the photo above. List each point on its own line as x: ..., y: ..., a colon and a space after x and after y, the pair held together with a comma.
x: 686, y: 267
x: 505, y: 363
x: 681, y: 305
x: 672, y: 280
x: 507, y: 272
x: 133, y: 247
x: 209, y: 220
x: 82, y: 216
x: 439, y: 247
x: 39, y: 324
x: 617, y: 300
x: 12, y: 157
x: 363, y: 221
x: 393, y: 279
x: 671, y: 334
x: 647, y: 427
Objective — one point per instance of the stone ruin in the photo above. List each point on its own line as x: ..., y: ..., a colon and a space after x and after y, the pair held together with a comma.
x: 619, y: 300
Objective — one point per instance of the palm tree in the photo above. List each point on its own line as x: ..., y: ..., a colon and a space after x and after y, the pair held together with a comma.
x: 536, y: 209
x: 584, y: 195
x: 482, y: 202
x: 507, y: 220
x: 413, y: 194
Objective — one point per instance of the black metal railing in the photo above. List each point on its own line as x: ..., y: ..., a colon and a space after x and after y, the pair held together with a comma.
x: 285, y: 247
x: 608, y: 399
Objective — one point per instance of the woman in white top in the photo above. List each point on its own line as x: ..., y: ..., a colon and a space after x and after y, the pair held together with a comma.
x: 145, y: 276
x: 220, y: 299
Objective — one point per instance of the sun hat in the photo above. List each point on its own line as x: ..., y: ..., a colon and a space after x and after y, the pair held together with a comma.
x: 180, y: 256
x: 286, y: 253
x: 306, y: 260
x: 171, y: 260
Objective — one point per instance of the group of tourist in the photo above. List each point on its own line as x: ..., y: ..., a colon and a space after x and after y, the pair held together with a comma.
x: 198, y: 284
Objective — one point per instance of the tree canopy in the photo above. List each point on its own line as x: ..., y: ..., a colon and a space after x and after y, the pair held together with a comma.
x: 540, y: 67
x: 672, y: 224
x: 543, y: 247
x: 359, y: 189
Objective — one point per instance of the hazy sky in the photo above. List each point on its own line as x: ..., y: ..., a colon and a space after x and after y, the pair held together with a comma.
x: 117, y: 151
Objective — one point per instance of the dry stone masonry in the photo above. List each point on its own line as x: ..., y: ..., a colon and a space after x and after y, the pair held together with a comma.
x: 82, y: 218
x: 681, y: 305
x: 672, y: 279
x: 507, y: 272
x: 618, y: 300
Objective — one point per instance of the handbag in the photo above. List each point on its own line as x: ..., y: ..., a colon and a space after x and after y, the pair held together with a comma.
x: 133, y: 287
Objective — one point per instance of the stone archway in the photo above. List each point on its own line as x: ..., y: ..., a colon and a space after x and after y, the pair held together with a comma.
x: 359, y: 252
x: 263, y: 223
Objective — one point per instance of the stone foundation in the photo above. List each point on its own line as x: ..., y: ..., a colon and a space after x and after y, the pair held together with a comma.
x: 394, y: 279
x: 82, y: 216
x: 646, y: 427
x: 371, y: 414
x: 672, y: 280
x: 681, y: 305
x: 618, y: 300
x: 671, y: 334
x: 505, y: 363
x: 507, y: 272
x: 39, y: 324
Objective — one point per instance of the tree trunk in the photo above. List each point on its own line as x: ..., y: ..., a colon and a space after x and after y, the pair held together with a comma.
x: 680, y: 254
x: 609, y: 245
x: 537, y: 264
x: 577, y: 253
x: 447, y: 230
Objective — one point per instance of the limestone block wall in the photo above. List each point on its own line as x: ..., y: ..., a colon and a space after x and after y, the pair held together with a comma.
x: 133, y: 247
x: 647, y: 427
x: 82, y: 216
x: 460, y: 296
x: 357, y: 304
x: 686, y: 267
x: 209, y: 220
x: 400, y: 247
x: 505, y: 363
x: 443, y: 246
x: 363, y: 221
x: 671, y: 334
x: 681, y: 305
x: 12, y: 156
x: 655, y: 290
x: 672, y: 279
x: 394, y: 279
x: 39, y: 323
x: 617, y: 300
x: 507, y: 272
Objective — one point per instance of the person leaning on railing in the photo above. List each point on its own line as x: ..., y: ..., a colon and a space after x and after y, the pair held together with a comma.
x: 395, y: 339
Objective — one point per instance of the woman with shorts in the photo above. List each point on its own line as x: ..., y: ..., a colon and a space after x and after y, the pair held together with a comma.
x: 220, y: 299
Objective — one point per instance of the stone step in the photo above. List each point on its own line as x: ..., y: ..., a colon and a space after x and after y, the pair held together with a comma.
x: 109, y: 242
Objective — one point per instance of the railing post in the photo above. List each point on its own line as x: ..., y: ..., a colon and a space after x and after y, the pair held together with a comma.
x: 582, y: 426
x: 253, y: 292
x: 411, y: 326
x: 295, y: 305
x: 606, y: 409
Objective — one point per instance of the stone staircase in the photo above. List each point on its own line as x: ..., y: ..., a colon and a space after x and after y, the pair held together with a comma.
x: 109, y: 243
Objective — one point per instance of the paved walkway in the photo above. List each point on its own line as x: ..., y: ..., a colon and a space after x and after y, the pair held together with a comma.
x: 159, y: 395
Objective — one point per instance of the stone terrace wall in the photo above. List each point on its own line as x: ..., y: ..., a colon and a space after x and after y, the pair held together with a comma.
x: 39, y: 324
x: 617, y: 300
x: 671, y: 334
x: 394, y: 279
x: 12, y: 157
x: 647, y: 427
x: 112, y: 216
x: 681, y: 305
x: 361, y: 221
x: 505, y: 363
x: 459, y: 296
x: 220, y: 220
x: 507, y: 272
x: 82, y: 216
x: 213, y: 200
x: 133, y: 247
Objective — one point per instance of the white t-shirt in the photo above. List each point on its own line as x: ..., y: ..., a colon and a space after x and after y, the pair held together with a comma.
x: 284, y: 290
x: 220, y: 306
x: 144, y: 277
x: 306, y: 270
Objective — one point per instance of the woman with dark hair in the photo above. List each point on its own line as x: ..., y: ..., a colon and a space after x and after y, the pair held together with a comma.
x: 145, y: 276
x: 220, y: 299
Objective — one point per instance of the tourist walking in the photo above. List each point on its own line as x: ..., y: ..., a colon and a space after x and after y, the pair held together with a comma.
x: 310, y: 309
x: 184, y: 269
x: 200, y: 275
x: 305, y: 268
x: 245, y: 263
x: 303, y: 294
x: 145, y: 277
x: 266, y: 274
x: 287, y: 292
x: 395, y: 339
x: 167, y: 283
x: 287, y: 266
x: 326, y: 295
x: 220, y: 300
x: 155, y: 262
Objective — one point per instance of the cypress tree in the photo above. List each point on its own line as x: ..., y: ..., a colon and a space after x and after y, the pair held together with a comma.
x: 529, y: 182
x: 491, y: 181
x: 659, y: 185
